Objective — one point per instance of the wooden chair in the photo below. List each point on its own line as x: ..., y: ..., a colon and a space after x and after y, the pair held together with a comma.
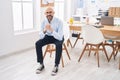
x: 93, y: 37
x: 50, y: 47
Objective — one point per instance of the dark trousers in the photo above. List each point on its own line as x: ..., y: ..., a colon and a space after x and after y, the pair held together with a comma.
x: 48, y: 40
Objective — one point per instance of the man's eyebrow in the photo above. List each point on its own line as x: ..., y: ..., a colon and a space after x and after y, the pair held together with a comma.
x: 49, y: 11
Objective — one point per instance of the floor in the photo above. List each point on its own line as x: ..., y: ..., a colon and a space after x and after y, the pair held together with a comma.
x: 22, y: 66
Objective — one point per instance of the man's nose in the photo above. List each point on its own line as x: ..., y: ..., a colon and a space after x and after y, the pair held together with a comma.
x: 49, y: 15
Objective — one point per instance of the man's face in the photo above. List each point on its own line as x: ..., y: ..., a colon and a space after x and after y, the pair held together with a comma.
x: 49, y: 14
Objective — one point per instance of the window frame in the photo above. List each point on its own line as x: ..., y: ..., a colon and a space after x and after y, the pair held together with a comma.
x: 63, y: 2
x: 23, y: 29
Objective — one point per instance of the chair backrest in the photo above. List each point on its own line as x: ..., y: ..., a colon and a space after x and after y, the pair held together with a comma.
x: 66, y: 31
x: 92, y: 34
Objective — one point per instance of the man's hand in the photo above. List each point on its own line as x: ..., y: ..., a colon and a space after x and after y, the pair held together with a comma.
x: 44, y: 31
x: 48, y: 27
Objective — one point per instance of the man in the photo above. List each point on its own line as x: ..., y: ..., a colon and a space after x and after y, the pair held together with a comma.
x: 51, y: 32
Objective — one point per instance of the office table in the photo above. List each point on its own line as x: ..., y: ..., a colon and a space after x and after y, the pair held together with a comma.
x: 108, y: 30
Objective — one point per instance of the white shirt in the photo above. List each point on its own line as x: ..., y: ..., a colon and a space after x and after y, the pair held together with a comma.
x: 57, y: 27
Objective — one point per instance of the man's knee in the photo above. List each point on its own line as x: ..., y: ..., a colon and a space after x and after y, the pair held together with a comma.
x: 38, y: 43
x: 58, y: 43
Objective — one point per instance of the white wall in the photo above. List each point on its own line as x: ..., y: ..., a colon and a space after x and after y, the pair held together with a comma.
x: 37, y: 13
x: 9, y: 42
x: 114, y: 3
x: 68, y: 9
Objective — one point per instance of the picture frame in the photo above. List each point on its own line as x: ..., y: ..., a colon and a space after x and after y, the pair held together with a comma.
x: 45, y: 3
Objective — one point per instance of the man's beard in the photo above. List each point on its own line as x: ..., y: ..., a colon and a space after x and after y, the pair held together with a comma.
x: 49, y: 17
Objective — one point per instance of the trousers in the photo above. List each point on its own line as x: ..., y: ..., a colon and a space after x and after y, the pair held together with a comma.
x: 49, y: 40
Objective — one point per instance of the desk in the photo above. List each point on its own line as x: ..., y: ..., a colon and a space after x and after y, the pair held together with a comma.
x: 111, y: 30
x: 108, y: 30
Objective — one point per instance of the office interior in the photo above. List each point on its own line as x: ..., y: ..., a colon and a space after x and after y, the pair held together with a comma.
x: 20, y: 41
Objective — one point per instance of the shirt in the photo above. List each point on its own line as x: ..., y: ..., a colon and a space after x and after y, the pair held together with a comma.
x: 57, y: 27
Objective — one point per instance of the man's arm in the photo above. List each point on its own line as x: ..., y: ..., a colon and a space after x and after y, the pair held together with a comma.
x: 59, y: 34
x: 42, y: 31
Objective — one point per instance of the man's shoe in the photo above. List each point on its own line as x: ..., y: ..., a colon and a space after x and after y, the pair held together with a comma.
x: 54, y: 71
x: 40, y: 69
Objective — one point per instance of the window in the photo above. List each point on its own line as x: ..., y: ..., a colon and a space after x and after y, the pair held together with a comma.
x: 80, y: 3
x: 22, y: 14
x: 59, y: 9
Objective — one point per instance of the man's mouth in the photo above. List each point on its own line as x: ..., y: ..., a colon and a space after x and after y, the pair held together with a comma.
x: 49, y: 16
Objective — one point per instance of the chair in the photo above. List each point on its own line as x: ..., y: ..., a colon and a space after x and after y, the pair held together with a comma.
x: 93, y: 37
x: 50, y: 47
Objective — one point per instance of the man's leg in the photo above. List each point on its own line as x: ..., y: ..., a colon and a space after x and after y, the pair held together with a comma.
x: 39, y: 44
x: 58, y: 54
x: 58, y: 45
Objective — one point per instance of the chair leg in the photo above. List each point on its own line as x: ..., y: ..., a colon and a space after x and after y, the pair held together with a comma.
x: 114, y: 52
x: 82, y: 53
x: 69, y: 42
x: 90, y: 50
x: 51, y: 48
x: 66, y: 51
x: 97, y: 53
x: 46, y: 50
x: 105, y: 52
x: 117, y: 49
x: 112, y: 46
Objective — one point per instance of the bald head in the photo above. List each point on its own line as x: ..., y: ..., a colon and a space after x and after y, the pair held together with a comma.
x: 49, y: 12
x: 49, y: 9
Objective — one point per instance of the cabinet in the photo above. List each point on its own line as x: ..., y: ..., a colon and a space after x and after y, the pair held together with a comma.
x: 114, y: 11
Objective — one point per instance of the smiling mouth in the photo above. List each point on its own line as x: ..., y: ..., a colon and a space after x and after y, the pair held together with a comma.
x: 49, y: 16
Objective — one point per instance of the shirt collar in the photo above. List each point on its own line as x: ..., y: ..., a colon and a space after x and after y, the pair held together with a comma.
x: 51, y: 21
